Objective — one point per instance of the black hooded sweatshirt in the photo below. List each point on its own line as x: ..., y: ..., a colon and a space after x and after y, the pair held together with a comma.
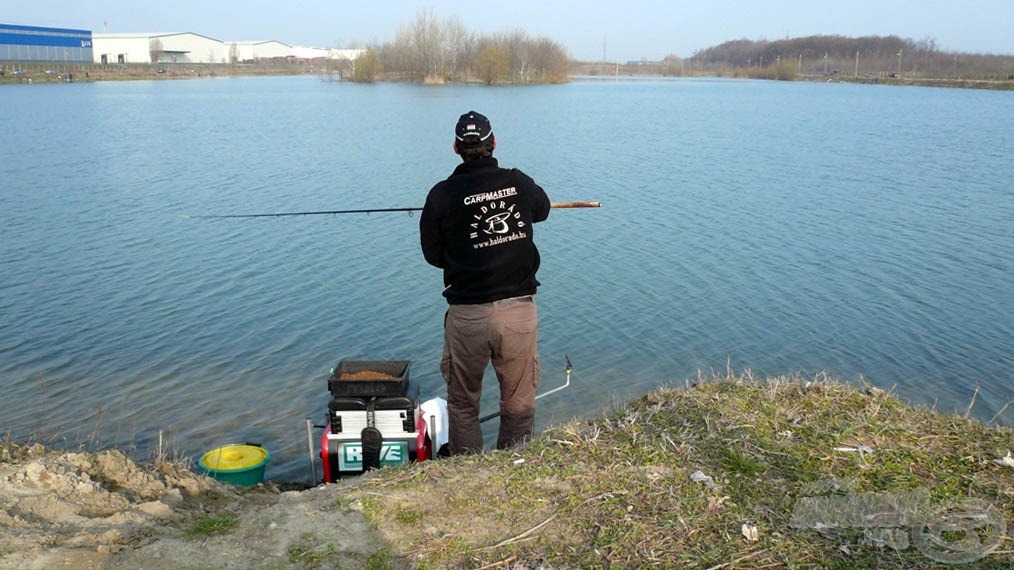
x: 477, y: 227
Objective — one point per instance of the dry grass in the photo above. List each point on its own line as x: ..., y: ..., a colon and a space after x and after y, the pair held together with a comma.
x: 618, y: 491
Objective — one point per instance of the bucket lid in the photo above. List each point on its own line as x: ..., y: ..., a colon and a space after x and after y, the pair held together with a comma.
x: 234, y: 457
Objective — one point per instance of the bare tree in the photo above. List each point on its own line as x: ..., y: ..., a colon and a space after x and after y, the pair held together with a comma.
x: 397, y: 57
x: 459, y: 49
x: 435, y: 51
x: 672, y: 65
x: 518, y: 44
x: 366, y: 66
x: 549, y: 61
x: 155, y: 49
x: 493, y: 63
x: 427, y: 39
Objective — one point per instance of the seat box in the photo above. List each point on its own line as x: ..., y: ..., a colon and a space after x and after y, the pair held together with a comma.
x: 394, y: 416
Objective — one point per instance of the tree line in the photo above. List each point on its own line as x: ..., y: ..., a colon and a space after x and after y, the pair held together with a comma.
x: 866, y: 55
x: 431, y: 50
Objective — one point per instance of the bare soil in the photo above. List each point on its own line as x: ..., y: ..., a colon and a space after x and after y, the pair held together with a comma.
x: 101, y: 510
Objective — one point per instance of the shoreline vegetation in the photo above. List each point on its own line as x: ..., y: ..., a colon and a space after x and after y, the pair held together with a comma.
x: 729, y: 472
x: 40, y: 73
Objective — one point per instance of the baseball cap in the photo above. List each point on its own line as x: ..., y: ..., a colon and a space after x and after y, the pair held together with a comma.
x: 473, y: 128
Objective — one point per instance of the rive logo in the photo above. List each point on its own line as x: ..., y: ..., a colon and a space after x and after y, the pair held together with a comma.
x: 392, y: 453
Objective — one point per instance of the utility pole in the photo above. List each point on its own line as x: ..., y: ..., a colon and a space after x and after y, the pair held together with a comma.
x: 857, y: 64
x: 825, y: 63
x: 899, y: 64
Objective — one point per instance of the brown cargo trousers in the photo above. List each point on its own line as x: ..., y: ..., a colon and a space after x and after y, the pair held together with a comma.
x: 506, y: 333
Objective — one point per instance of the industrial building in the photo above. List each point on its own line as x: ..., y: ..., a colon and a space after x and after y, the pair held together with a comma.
x: 31, y: 43
x: 260, y: 51
x: 185, y: 47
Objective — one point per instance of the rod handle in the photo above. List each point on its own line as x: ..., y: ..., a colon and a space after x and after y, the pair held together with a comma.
x: 575, y: 204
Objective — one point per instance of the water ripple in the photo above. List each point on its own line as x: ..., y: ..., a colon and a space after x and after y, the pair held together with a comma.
x: 742, y: 226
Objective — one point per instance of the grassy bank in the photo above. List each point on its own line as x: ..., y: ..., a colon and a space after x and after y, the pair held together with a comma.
x: 724, y: 473
x: 786, y: 71
x: 953, y: 83
x: 24, y: 73
x: 727, y: 473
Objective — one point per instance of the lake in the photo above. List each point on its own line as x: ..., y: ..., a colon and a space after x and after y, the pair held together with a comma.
x: 861, y: 232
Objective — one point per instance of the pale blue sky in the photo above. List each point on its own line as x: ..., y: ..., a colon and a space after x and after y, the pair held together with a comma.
x: 627, y: 30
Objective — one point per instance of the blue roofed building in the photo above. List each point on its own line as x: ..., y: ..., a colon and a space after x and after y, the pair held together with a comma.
x: 32, y: 43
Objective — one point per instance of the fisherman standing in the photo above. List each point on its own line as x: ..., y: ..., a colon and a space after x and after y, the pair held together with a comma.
x: 477, y: 225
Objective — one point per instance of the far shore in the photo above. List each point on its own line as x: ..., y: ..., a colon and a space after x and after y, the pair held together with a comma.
x: 15, y: 73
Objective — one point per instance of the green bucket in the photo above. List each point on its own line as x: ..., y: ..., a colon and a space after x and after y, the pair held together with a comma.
x: 236, y: 464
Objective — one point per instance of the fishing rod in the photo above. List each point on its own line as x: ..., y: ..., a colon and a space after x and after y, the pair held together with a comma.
x: 570, y: 367
x: 557, y: 205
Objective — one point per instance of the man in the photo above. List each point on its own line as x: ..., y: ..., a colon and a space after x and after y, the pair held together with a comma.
x: 477, y: 227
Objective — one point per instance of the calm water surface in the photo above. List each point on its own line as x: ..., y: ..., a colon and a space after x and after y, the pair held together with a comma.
x: 862, y: 231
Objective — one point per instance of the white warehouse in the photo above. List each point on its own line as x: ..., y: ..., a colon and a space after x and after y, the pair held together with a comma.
x: 258, y: 51
x: 188, y: 47
x: 185, y: 47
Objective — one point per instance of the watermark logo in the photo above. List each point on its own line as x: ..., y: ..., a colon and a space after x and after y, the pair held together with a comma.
x: 958, y: 532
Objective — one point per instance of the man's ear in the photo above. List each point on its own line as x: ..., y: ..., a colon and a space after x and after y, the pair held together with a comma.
x: 454, y: 145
